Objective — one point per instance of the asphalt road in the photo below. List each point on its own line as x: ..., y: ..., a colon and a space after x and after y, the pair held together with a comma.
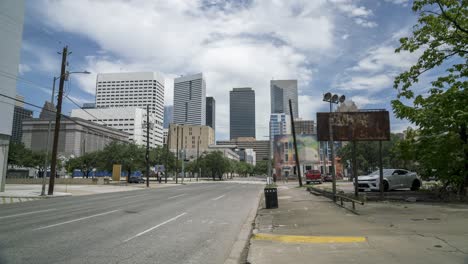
x: 196, y: 223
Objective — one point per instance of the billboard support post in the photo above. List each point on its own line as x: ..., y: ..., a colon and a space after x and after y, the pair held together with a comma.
x: 298, y: 166
x: 355, y: 172
x: 381, y: 171
x: 333, y: 173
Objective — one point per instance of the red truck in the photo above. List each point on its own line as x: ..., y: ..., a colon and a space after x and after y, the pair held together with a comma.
x: 313, y: 176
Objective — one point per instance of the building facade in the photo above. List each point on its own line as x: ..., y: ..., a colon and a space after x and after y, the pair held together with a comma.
x: 134, y: 89
x: 242, y: 113
x: 261, y: 147
x: 211, y: 112
x: 190, y: 100
x: 77, y: 136
x: 280, y: 124
x: 190, y: 137
x: 281, y: 91
x: 306, y: 127
x: 130, y: 120
x: 11, y: 33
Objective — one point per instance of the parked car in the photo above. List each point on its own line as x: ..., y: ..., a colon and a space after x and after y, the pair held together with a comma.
x: 313, y: 176
x: 392, y: 179
x: 327, y: 178
x: 135, y: 179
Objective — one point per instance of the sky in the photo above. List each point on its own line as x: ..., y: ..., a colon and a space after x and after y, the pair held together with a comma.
x: 340, y: 46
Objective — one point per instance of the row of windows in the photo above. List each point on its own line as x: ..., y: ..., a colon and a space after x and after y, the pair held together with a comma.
x: 130, y: 81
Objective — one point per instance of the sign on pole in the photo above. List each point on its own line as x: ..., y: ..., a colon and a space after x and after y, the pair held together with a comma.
x: 354, y: 126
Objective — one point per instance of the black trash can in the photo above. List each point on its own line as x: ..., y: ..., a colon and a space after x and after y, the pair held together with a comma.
x: 271, y: 198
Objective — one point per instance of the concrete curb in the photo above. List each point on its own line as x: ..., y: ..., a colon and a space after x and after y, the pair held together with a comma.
x: 243, y: 239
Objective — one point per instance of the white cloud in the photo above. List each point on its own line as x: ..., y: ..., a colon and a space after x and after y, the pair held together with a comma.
x: 383, y: 57
x: 365, y: 23
x: 399, y: 2
x: 345, y: 36
x: 23, y: 68
x: 360, y: 14
x: 371, y: 84
x: 234, y: 47
x: 363, y: 101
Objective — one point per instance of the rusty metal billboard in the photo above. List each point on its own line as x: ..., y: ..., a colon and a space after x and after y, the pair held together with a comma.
x: 354, y: 126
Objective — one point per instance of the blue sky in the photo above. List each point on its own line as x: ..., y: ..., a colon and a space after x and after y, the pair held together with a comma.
x: 343, y: 46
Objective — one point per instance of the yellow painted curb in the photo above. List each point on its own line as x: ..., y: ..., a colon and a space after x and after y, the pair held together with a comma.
x: 309, y: 239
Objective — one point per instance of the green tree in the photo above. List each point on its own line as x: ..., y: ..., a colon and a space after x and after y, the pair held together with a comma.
x: 20, y: 156
x: 217, y: 164
x: 441, y: 115
x: 261, y: 167
x: 130, y: 156
x: 85, y: 163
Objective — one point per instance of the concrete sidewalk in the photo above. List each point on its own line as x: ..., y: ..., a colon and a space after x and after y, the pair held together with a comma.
x: 311, y: 229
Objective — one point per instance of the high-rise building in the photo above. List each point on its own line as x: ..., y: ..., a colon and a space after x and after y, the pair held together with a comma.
x: 19, y: 114
x: 211, y: 112
x: 11, y: 32
x: 133, y: 89
x: 190, y: 100
x: 47, y: 111
x: 242, y: 112
x: 168, y: 115
x: 281, y: 91
x: 280, y: 124
x: 305, y: 127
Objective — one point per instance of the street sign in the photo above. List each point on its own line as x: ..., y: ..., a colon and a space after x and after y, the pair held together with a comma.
x: 354, y: 126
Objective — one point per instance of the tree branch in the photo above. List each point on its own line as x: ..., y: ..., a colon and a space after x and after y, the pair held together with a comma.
x: 450, y: 19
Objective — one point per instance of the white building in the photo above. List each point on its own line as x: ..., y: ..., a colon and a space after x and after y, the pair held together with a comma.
x: 136, y: 89
x: 11, y: 32
x: 127, y: 119
x: 190, y: 100
x: 165, y: 135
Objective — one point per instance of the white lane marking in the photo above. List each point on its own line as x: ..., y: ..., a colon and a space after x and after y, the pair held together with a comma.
x: 28, y: 213
x: 176, y: 196
x: 154, y: 227
x: 219, y: 197
x: 75, y: 220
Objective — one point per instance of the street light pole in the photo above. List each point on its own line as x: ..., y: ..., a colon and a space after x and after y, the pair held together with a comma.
x: 44, y: 175
x: 147, y: 145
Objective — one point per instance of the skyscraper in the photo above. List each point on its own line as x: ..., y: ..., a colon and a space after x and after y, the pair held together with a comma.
x: 211, y: 112
x: 281, y: 91
x: 121, y: 91
x: 168, y: 115
x: 19, y: 114
x: 242, y: 112
x: 190, y: 100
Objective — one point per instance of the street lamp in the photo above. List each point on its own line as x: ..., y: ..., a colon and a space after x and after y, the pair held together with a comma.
x: 66, y: 75
x: 332, y: 99
x: 269, y: 156
x: 149, y: 125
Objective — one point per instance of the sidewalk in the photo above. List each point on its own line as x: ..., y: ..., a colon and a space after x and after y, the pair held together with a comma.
x: 311, y: 229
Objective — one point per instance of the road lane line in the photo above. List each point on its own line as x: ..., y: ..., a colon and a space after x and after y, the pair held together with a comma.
x: 176, y: 196
x: 309, y: 239
x: 75, y: 220
x: 28, y: 213
x: 219, y: 197
x: 154, y: 227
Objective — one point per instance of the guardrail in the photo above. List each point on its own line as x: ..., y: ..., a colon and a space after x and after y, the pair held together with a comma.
x: 353, y: 201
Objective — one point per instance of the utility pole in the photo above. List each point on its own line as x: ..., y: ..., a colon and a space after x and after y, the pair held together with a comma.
x: 53, y: 163
x: 168, y: 141
x: 147, y: 145
x: 177, y: 156
x: 183, y: 155
x: 330, y: 129
x: 198, y: 156
x: 298, y: 166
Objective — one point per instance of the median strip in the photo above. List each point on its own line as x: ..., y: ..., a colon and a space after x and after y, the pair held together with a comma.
x: 75, y: 220
x: 309, y: 239
x: 154, y: 227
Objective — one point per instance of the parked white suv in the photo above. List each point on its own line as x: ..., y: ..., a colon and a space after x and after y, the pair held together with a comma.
x: 392, y: 179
